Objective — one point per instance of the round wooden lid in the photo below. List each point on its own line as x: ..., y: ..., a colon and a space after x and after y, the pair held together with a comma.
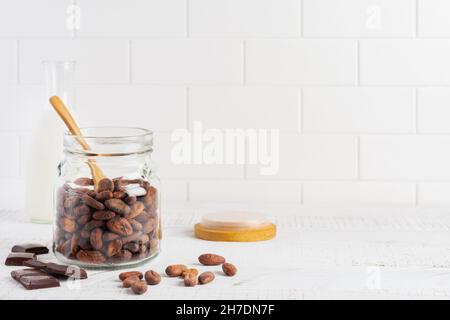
x: 235, y: 226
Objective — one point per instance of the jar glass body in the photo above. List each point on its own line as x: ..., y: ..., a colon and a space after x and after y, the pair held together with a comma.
x: 114, y: 222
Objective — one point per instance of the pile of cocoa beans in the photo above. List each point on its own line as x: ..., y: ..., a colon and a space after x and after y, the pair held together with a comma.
x: 139, y: 282
x: 107, y: 225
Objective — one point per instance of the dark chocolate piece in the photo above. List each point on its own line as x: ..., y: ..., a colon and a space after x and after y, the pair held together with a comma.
x: 16, y: 274
x: 17, y: 258
x: 30, y: 247
x: 31, y: 282
x: 66, y: 271
x: 36, y: 264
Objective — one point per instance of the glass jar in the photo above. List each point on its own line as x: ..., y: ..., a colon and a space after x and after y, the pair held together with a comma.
x: 116, y: 222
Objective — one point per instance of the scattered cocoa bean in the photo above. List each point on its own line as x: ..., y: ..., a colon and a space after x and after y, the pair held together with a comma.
x: 126, y: 274
x: 136, y: 209
x: 127, y: 282
x: 152, y: 277
x: 210, y: 259
x: 229, y: 269
x: 175, y: 270
x: 109, y: 236
x: 139, y: 287
x: 190, y: 280
x: 206, y: 277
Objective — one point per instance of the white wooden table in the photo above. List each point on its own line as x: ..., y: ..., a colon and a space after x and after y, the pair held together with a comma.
x: 381, y: 253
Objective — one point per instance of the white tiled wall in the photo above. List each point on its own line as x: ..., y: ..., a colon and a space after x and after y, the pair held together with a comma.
x: 358, y: 88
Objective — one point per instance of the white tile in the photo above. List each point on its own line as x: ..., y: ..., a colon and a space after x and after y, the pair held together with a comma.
x: 12, y: 194
x: 433, y: 110
x: 361, y: 109
x: 405, y: 62
x: 245, y: 191
x: 312, y: 157
x: 9, y: 108
x: 98, y: 61
x: 173, y: 191
x: 244, y: 18
x: 187, y: 61
x: 434, y: 194
x: 132, y: 18
x: 8, y: 61
x: 359, y: 18
x: 30, y: 18
x: 245, y: 107
x: 359, y: 193
x: 404, y: 157
x: 433, y: 18
x: 301, y: 61
x: 168, y: 169
x: 10, y: 159
x: 152, y: 107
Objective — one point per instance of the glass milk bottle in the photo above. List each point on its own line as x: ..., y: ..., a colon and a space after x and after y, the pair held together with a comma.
x: 46, y: 145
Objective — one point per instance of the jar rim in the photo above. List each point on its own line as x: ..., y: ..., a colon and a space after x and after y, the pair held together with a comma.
x: 110, y: 141
x: 142, y: 133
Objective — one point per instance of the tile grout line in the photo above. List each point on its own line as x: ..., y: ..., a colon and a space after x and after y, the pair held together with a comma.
x: 416, y: 110
x: 358, y: 63
x: 187, y: 108
x: 358, y: 158
x: 417, y: 194
x: 301, y: 110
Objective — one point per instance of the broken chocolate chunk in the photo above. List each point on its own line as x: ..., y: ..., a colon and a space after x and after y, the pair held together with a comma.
x: 31, y: 248
x: 18, y: 258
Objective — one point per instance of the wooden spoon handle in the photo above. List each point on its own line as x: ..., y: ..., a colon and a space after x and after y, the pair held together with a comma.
x: 66, y: 116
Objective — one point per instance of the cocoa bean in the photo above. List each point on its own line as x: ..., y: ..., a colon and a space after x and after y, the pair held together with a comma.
x: 71, y: 202
x: 105, y: 184
x: 152, y: 277
x: 119, y: 194
x: 189, y: 271
x: 103, y: 215
x: 149, y: 198
x: 85, y: 244
x: 96, y: 238
x: 103, y: 196
x: 130, y: 200
x: 68, y: 225
x: 139, y: 287
x: 132, y: 247
x: 74, y: 244
x: 129, y: 281
x: 120, y: 226
x: 190, y: 280
x: 109, y: 236
x: 136, y: 209
x: 143, y: 239
x: 126, y: 274
x: 122, y: 255
x: 144, y: 217
x: 132, y: 237
x: 95, y: 257
x: 175, y: 270
x: 206, y: 277
x: 113, y: 247
x: 91, y: 202
x: 229, y: 269
x: 84, y: 181
x: 118, y: 206
x: 81, y: 210
x: 83, y: 219
x: 136, y: 225
x: 209, y: 259
x: 88, y: 227
x: 149, y: 226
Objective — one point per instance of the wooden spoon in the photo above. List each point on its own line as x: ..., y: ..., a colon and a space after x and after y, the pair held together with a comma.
x: 64, y: 113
